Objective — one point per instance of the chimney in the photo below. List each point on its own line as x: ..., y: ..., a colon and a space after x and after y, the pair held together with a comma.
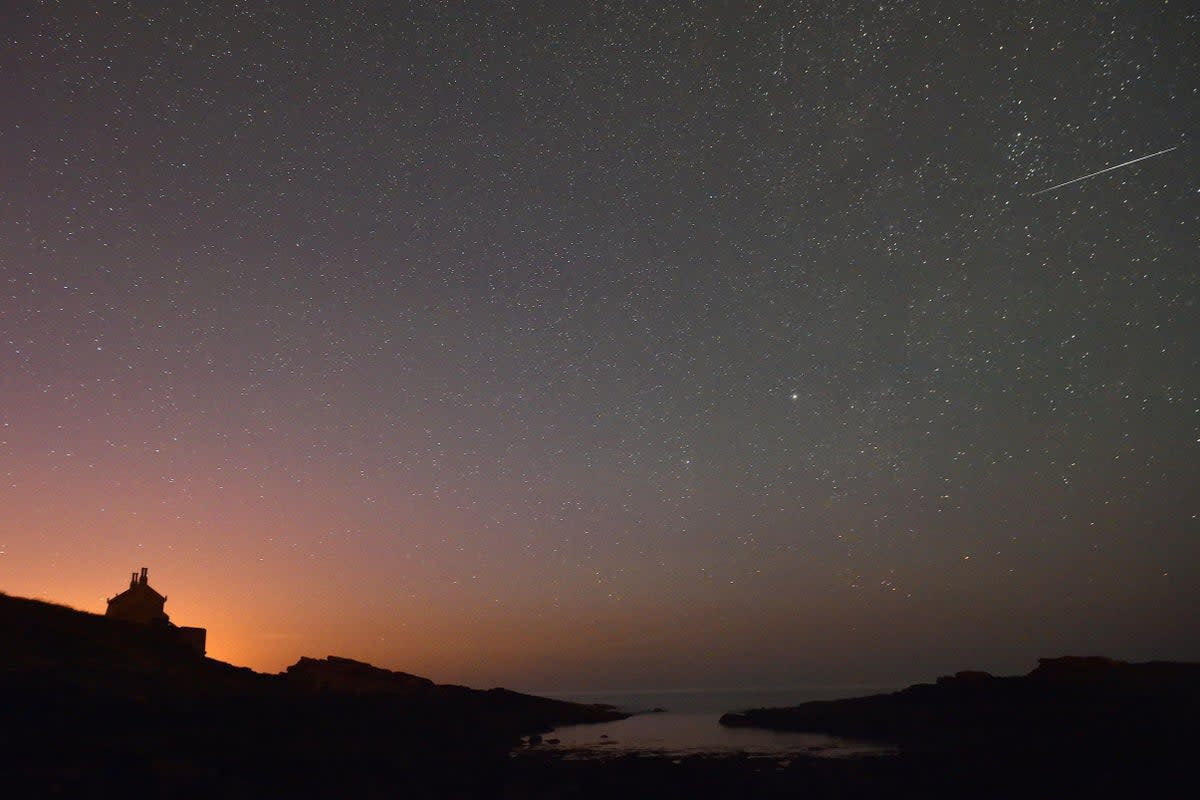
x: 133, y: 580
x: 143, y: 574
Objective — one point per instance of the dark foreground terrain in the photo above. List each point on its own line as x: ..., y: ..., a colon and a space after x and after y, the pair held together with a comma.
x: 1076, y: 725
x: 92, y: 707
x: 1072, y: 728
x: 95, y: 707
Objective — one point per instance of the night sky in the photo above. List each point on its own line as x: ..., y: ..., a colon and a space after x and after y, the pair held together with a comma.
x: 564, y: 344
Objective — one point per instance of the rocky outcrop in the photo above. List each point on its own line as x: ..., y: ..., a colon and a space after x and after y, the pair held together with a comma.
x: 353, y: 677
x: 1066, y: 703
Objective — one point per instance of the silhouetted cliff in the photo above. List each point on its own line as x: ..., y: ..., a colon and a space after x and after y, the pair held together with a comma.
x: 94, y: 706
x: 1066, y: 704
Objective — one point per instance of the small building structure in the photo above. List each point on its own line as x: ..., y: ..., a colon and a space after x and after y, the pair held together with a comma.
x: 141, y: 604
x: 138, y: 603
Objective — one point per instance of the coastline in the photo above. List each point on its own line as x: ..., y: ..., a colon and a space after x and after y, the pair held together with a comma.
x: 1077, y: 701
x: 104, y: 706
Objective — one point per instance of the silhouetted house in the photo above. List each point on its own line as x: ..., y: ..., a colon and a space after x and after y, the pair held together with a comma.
x: 138, y: 603
x: 141, y: 604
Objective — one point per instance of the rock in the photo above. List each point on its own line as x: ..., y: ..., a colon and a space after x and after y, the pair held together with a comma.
x: 353, y: 677
x: 1075, y: 706
x: 1076, y: 668
x: 965, y: 678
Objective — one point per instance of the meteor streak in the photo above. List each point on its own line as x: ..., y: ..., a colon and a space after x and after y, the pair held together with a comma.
x: 1101, y: 172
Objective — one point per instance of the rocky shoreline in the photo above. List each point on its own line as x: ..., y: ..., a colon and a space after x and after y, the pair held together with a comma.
x: 1063, y: 698
x: 94, y: 707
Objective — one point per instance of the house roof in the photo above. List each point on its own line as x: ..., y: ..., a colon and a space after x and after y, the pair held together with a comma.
x: 139, y: 590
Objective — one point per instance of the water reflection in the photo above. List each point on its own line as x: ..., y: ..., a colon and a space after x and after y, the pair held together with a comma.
x: 695, y: 733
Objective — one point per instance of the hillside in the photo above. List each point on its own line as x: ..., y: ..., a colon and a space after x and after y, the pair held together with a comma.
x: 1069, y: 704
x: 94, y: 705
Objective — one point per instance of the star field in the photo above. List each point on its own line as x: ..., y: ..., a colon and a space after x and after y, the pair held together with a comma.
x: 597, y: 343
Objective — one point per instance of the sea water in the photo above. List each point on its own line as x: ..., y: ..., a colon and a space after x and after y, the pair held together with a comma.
x: 689, y: 725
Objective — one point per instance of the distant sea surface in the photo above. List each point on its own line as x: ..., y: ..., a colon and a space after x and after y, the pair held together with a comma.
x: 690, y: 725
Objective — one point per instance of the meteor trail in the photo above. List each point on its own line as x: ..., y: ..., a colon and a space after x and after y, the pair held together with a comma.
x: 1101, y: 172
